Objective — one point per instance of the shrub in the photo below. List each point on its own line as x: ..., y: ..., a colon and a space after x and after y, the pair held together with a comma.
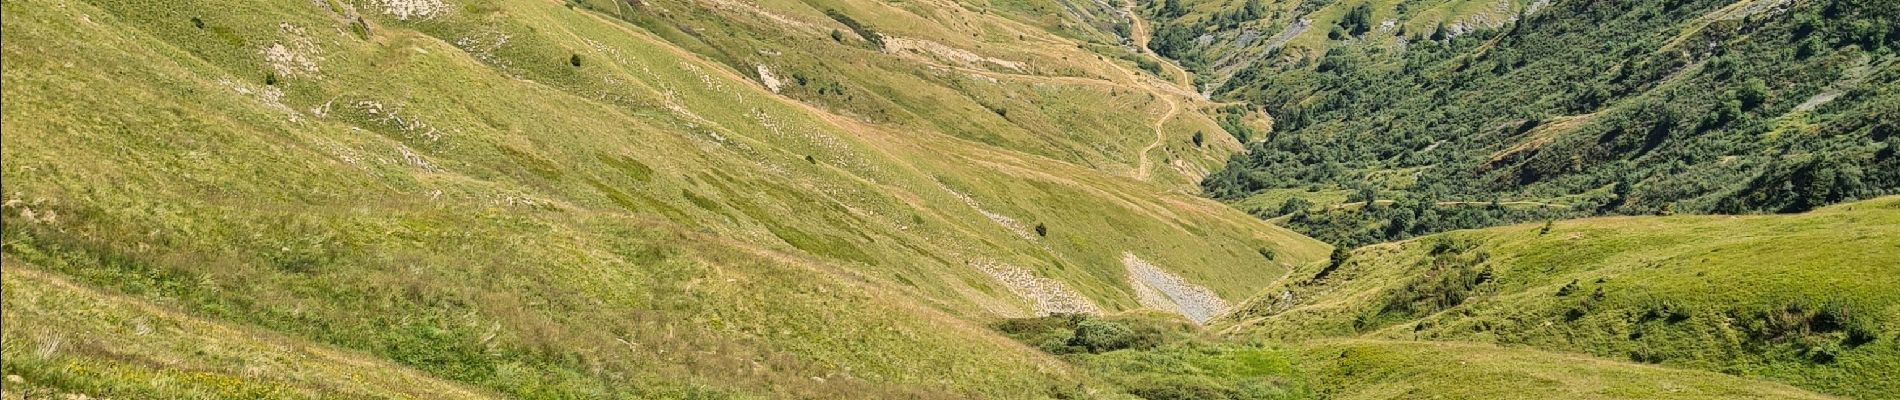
x: 1365, y: 193
x: 1666, y: 311
x: 1567, y: 289
x: 1358, y: 21
x: 574, y: 59
x: 1294, y: 205
x: 1752, y: 94
x: 1339, y: 257
x: 1042, y: 230
x: 1148, y: 65
x: 1098, y: 335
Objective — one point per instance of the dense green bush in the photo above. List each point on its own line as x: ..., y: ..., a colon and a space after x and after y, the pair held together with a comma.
x: 1644, y: 111
x: 1082, y: 333
x: 1098, y: 336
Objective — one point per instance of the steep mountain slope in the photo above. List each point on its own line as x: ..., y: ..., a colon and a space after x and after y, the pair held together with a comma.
x: 539, y: 199
x: 58, y: 330
x: 1708, y: 106
x: 952, y: 67
x: 1802, y: 299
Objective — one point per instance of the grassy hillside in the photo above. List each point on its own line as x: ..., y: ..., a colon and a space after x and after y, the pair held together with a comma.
x: 63, y: 337
x: 1371, y: 369
x: 537, y: 199
x: 1153, y: 358
x: 991, y: 74
x: 1802, y: 299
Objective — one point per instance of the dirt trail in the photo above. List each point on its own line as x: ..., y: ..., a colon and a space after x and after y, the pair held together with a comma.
x: 1145, y: 165
x: 1138, y: 33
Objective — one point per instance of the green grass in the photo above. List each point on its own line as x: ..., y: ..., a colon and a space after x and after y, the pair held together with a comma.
x: 447, y: 205
x: 1363, y: 369
x: 644, y: 225
x: 1800, y: 299
x: 1168, y: 360
x: 65, y: 338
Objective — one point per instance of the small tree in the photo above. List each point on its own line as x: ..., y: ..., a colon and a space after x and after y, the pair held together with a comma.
x: 1546, y: 229
x: 1339, y: 258
x: 1366, y: 194
x: 1358, y: 21
x: 1293, y: 205
x: 1198, y: 138
x: 1752, y: 94
x: 574, y: 60
x: 1042, y: 230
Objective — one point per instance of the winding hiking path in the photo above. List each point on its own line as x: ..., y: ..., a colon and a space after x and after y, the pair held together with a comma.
x: 1138, y: 33
x: 1145, y: 165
